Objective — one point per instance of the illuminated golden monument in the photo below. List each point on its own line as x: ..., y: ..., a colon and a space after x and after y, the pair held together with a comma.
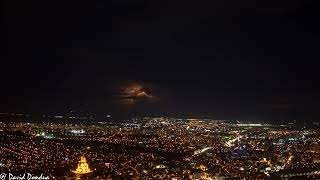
x: 83, y: 167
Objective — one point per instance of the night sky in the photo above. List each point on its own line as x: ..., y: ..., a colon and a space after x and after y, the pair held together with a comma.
x: 221, y: 59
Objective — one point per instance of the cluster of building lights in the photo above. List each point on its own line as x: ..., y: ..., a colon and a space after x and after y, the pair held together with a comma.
x: 162, y: 148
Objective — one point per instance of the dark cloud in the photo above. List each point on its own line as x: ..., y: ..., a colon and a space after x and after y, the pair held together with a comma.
x: 133, y: 93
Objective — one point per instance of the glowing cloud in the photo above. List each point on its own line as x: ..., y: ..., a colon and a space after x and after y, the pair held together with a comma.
x: 133, y: 93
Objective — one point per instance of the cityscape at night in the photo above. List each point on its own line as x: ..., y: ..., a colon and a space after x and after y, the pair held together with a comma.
x: 161, y: 148
x: 164, y: 90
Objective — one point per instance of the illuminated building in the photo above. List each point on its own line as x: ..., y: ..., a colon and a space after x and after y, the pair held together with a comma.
x: 83, y: 167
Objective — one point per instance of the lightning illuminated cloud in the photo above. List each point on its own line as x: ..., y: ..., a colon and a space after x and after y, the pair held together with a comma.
x: 133, y: 93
